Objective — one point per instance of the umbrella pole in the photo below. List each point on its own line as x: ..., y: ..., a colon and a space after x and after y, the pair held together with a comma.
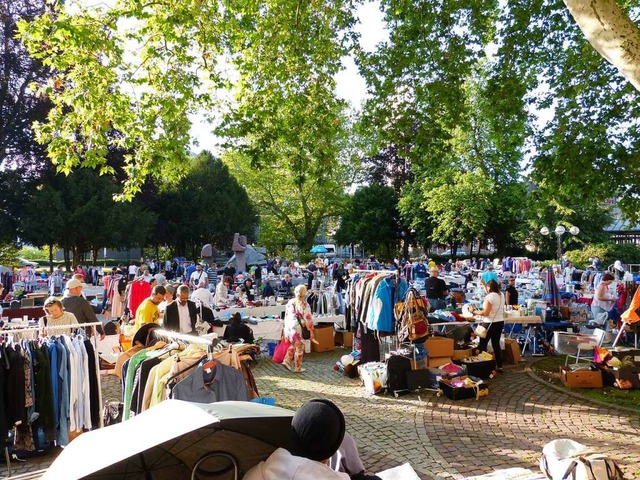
x: 622, y: 328
x: 147, y: 473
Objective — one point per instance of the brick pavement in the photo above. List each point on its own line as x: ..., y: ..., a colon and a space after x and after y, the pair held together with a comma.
x: 441, y: 438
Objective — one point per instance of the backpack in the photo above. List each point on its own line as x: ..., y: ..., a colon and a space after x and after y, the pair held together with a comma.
x: 397, y: 368
x: 411, y: 317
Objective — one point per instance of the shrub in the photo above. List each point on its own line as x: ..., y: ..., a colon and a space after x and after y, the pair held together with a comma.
x: 608, y: 253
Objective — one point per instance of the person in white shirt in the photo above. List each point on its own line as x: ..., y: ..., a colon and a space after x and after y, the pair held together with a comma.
x: 197, y: 277
x: 317, y: 431
x: 202, y: 295
x: 493, y: 320
x: 161, y: 279
x: 568, y: 273
x: 133, y: 271
x: 222, y: 291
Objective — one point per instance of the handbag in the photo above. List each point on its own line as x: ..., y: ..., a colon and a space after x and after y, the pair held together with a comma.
x: 305, y: 332
x: 281, y: 350
x: 482, y: 331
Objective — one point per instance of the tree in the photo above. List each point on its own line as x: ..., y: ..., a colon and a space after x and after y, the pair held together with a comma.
x: 459, y: 207
x: 82, y: 216
x: 292, y: 209
x: 207, y: 206
x: 370, y: 218
x: 21, y: 158
x: 19, y: 105
x: 611, y: 32
x: 146, y: 79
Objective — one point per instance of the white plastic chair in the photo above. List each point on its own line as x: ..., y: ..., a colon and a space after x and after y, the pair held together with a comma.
x: 588, y: 346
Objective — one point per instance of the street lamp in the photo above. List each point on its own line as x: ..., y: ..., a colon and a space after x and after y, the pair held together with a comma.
x: 559, y: 231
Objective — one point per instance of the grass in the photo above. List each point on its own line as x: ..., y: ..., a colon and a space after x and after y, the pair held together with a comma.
x: 548, y: 368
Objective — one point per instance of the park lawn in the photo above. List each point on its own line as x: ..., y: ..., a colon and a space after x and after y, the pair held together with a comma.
x: 548, y: 368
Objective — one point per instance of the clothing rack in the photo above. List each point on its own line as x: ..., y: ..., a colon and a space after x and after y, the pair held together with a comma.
x: 389, y: 272
x: 210, y: 343
x: 34, y: 329
x: 71, y: 326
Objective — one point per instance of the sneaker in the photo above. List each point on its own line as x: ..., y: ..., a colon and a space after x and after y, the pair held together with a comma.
x: 300, y: 370
x: 287, y: 365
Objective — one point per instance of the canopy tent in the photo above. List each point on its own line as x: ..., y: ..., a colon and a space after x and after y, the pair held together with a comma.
x: 252, y: 257
x: 318, y: 249
x: 168, y: 440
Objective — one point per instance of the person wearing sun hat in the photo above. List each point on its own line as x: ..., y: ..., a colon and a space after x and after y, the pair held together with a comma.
x: 78, y: 305
x: 317, y: 431
x: 436, y: 289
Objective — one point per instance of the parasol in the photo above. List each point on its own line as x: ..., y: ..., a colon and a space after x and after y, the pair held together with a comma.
x: 169, y: 440
x: 318, y: 249
x: 551, y: 294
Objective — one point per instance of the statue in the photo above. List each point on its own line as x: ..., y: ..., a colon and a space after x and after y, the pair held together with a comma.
x: 239, y: 247
x: 208, y: 254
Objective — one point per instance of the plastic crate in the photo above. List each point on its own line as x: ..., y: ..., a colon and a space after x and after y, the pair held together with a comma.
x: 460, y: 393
x: 567, y: 343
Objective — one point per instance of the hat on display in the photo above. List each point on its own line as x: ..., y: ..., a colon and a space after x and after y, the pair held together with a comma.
x: 75, y: 283
x: 317, y: 430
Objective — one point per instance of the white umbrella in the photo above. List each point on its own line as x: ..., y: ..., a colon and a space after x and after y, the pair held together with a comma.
x: 166, y: 441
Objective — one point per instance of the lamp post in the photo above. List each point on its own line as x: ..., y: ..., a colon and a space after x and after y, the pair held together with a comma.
x: 559, y: 231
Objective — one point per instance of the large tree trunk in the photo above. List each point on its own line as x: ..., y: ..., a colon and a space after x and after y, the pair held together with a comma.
x: 50, y: 258
x: 611, y: 32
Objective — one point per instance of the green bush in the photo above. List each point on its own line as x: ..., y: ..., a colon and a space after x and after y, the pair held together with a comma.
x: 607, y: 252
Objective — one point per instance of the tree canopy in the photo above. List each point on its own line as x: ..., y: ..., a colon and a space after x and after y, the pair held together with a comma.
x: 486, y: 118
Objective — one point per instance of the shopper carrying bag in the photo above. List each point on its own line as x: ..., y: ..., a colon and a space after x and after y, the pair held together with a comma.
x: 493, y: 321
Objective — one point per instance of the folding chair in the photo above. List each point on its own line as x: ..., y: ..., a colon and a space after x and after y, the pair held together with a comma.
x: 589, y: 345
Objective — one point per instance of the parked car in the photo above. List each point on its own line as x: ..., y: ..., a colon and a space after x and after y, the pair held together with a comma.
x: 23, y: 262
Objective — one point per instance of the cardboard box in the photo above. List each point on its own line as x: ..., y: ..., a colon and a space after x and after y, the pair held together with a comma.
x: 439, y: 346
x: 629, y: 352
x: 581, y: 378
x: 460, y: 354
x: 324, y: 337
x: 611, y: 377
x: 343, y: 338
x: 511, y: 354
x: 437, y: 361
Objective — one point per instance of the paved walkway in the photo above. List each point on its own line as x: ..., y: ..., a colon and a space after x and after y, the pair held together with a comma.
x: 441, y: 438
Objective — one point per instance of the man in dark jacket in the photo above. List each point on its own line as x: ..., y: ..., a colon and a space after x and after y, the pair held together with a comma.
x: 79, y: 306
x: 181, y: 315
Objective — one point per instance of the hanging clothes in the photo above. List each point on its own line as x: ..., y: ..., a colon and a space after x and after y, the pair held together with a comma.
x: 138, y: 291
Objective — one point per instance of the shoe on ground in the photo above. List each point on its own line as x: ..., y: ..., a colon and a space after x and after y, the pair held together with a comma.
x: 300, y: 370
x: 287, y: 365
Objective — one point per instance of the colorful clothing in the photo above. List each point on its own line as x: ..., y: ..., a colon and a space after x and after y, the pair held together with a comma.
x: 147, y: 312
